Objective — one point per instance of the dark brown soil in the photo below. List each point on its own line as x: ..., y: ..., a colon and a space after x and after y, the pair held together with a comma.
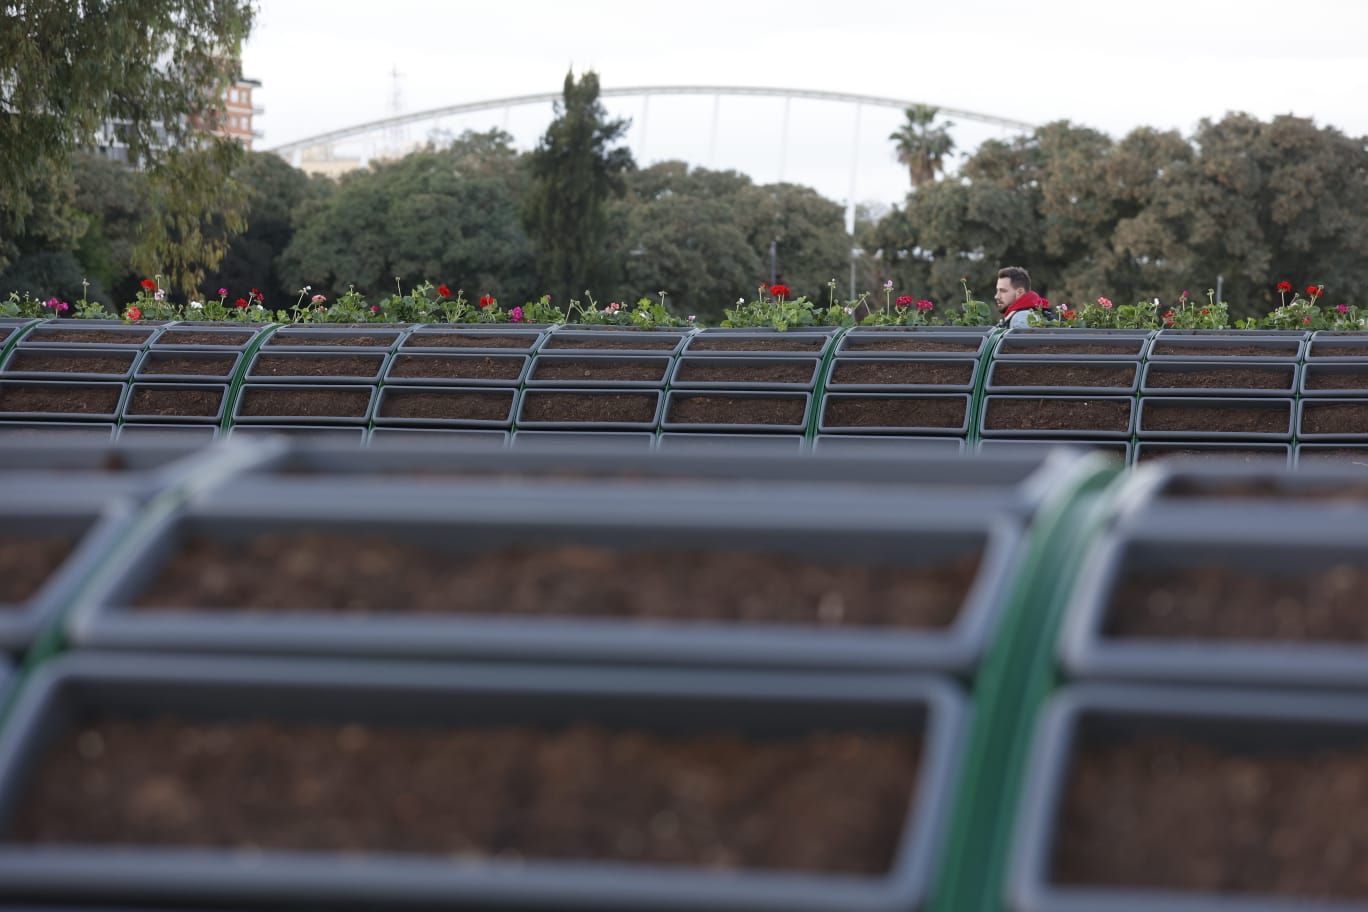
x: 457, y: 367
x: 150, y: 399
x: 446, y: 405
x: 824, y: 801
x: 1356, y: 456
x: 71, y: 400
x: 265, y: 401
x: 351, y: 340
x: 1103, y: 347
x: 173, y: 363
x: 740, y: 370
x: 468, y: 340
x: 1338, y: 350
x: 895, y: 411
x: 1174, y: 813
x: 174, y: 337
x: 26, y: 561
x: 904, y: 371
x: 89, y: 336
x: 1244, y: 603
x: 1243, y: 419
x: 1263, y: 488
x: 609, y: 341
x: 75, y: 362
x: 1335, y: 418
x: 895, y: 342
x: 723, y: 409
x: 1356, y: 379
x: 1243, y: 454
x: 1108, y: 376
x: 801, y: 342
x: 618, y: 408
x: 273, y: 573
x: 321, y: 365
x: 5, y: 332
x: 1277, y: 349
x: 1033, y: 413
x: 1278, y: 378
x: 598, y: 370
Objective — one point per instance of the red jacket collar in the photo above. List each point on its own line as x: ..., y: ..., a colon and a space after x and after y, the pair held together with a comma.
x: 1029, y: 301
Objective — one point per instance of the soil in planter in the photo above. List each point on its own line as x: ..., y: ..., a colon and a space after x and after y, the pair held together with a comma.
x: 457, y: 367
x: 1226, y: 419
x: 897, y: 343
x: 48, y: 361
x: 802, y: 342
x: 1175, y: 813
x: 776, y: 371
x: 610, y: 341
x: 1335, y: 418
x: 70, y: 400
x: 446, y: 406
x: 90, y: 336
x: 1338, y: 350
x: 265, y: 402
x: 1031, y: 413
x: 26, y: 561
x: 301, y: 572
x: 903, y: 372
x: 898, y: 412
x: 468, y: 340
x: 1280, y: 349
x: 737, y: 410
x: 1228, y: 603
x: 1264, y: 488
x: 1356, y: 380
x: 1243, y: 454
x: 350, y: 340
x: 173, y: 363
x: 1354, y: 456
x: 600, y: 370
x: 1100, y: 347
x: 5, y: 332
x: 267, y: 365
x: 830, y: 801
x: 174, y: 337
x: 618, y: 408
x: 170, y: 401
x: 1119, y: 376
x: 1277, y: 378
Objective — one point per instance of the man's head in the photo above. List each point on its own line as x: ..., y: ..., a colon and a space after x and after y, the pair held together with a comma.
x: 1012, y: 283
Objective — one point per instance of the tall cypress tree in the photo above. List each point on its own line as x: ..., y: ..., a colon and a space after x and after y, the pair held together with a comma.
x: 575, y: 169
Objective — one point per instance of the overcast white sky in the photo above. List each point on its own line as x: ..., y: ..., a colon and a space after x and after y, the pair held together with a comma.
x: 326, y: 64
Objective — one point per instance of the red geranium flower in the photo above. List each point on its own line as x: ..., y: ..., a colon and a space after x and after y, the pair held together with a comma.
x: 133, y: 313
x: 779, y: 291
x: 257, y: 296
x: 1313, y: 291
x: 443, y: 291
x: 1284, y: 287
x: 924, y: 305
x: 486, y: 300
x: 148, y: 285
x: 240, y: 303
x: 1069, y: 314
x: 903, y: 302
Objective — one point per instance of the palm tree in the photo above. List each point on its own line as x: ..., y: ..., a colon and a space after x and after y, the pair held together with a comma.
x: 921, y: 147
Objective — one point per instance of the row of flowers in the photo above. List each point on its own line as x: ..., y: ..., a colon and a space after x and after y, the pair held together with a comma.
x: 773, y: 306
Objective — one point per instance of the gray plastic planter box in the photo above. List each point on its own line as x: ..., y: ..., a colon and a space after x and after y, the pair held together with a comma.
x: 1307, y: 540
x: 69, y: 363
x: 1282, y: 379
x: 200, y: 432
x: 394, y: 398
x: 101, y: 401
x: 1087, y: 428
x: 1182, y: 488
x: 670, y: 422
x: 882, y: 530
x: 1263, y: 453
x: 567, y: 340
x: 207, y: 336
x: 745, y: 373
x: 748, y: 342
x: 89, y: 430
x: 141, y: 395
x: 1253, y: 721
x: 1120, y: 449
x: 330, y: 433
x: 601, y: 440
x: 326, y: 338
x: 659, y: 365
x: 1077, y: 345
x: 533, y: 398
x: 1321, y: 379
x: 840, y: 444
x: 759, y: 706
x: 1230, y: 410
x: 826, y: 424
x: 158, y: 365
x: 1318, y: 454
x: 40, y: 511
x: 770, y: 443
x: 1352, y: 423
x: 436, y: 437
x: 490, y: 339
x: 1326, y: 346
x: 916, y: 373
x: 108, y: 333
x: 310, y: 404
x: 1246, y: 347
x: 420, y: 368
x: 286, y: 360
x: 1111, y: 378
x: 923, y: 342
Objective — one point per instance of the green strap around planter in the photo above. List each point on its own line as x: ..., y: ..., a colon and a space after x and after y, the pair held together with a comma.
x: 239, y: 375
x: 819, y: 388
x: 985, y: 362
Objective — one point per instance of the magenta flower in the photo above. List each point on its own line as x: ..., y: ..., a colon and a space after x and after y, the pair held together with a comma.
x: 223, y: 292
x: 375, y: 308
x: 515, y: 315
x: 1342, y: 308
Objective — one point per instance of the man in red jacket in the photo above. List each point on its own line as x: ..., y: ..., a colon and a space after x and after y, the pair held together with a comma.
x: 1015, y: 300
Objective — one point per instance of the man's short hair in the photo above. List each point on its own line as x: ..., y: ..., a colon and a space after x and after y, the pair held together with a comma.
x: 1019, y: 277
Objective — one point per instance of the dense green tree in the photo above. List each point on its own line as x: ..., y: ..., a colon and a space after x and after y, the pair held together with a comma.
x: 576, y: 169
